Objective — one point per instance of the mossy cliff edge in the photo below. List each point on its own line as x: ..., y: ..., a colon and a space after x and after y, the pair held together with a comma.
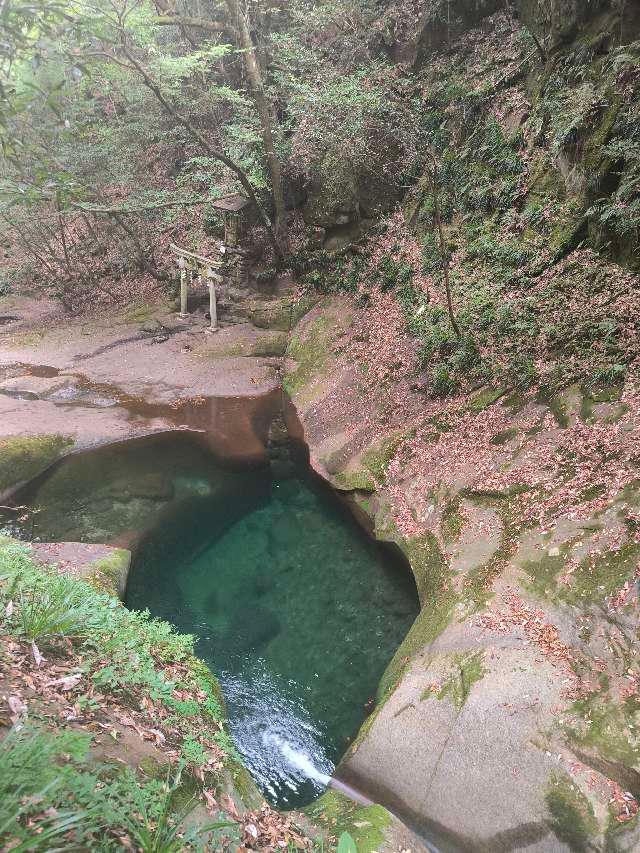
x: 493, y: 438
x: 506, y: 695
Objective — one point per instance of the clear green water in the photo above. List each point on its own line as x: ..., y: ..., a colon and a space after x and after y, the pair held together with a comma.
x: 296, y: 610
x: 294, y: 607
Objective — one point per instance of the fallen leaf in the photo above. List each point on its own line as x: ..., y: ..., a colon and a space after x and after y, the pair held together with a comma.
x: 35, y: 651
x: 16, y: 706
x: 68, y: 682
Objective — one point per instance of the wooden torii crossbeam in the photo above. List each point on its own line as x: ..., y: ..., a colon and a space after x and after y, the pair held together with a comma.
x: 189, y: 264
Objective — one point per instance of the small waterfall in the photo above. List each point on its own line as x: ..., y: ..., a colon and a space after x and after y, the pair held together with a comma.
x: 301, y: 762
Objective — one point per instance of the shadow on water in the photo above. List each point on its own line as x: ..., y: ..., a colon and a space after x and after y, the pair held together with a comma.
x: 292, y: 604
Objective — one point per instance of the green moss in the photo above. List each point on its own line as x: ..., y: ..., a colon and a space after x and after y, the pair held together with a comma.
x: 23, y: 457
x: 597, y: 577
x: 477, y: 587
x: 504, y: 437
x: 572, y: 818
x: 311, y: 353
x: 376, y: 458
x: 557, y: 406
x: 138, y: 313
x: 544, y: 573
x: 336, y: 814
x: 485, y: 398
x: 515, y: 402
x: 604, y: 726
x: 348, y: 481
x: 270, y: 345
x: 265, y: 345
x: 281, y: 315
x: 365, y: 504
x: 600, y: 394
x: 451, y: 521
x: 366, y: 727
x: 437, y: 599
x: 466, y: 670
x: 593, y: 492
x: 110, y: 573
x: 595, y: 160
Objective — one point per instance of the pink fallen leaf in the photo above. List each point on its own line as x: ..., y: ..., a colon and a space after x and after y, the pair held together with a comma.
x: 229, y: 806
x: 8, y: 611
x: 68, y: 682
x: 16, y: 706
x: 212, y: 805
x: 37, y: 656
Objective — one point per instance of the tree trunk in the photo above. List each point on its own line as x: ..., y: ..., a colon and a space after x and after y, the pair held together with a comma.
x: 195, y: 133
x: 444, y: 255
x: 240, y: 24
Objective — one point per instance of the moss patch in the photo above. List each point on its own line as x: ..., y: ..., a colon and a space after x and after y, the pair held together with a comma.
x: 595, y: 577
x: 465, y: 671
x: 282, y: 314
x: 376, y: 458
x: 477, y: 587
x: 485, y: 398
x: 110, y: 573
x: 451, y: 521
x: 264, y: 345
x: 572, y: 818
x: 22, y: 457
x: 604, y: 726
x: 373, y: 463
x: 349, y: 481
x: 436, y: 596
x: 311, y: 352
x: 336, y: 814
x: 504, y: 437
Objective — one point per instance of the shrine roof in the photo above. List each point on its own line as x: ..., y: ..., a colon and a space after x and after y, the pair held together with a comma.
x: 231, y: 203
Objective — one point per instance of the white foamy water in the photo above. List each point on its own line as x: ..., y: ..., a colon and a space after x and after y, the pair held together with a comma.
x: 280, y: 743
x: 298, y: 759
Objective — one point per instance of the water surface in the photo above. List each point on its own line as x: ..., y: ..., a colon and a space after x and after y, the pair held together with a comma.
x: 295, y: 609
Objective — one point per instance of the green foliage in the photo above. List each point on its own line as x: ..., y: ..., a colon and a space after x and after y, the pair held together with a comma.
x: 346, y: 844
x: 329, y: 273
x: 123, y: 651
x: 53, y: 797
x: 56, y: 610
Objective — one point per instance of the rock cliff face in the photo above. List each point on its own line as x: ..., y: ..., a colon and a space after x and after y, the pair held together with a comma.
x: 507, y: 719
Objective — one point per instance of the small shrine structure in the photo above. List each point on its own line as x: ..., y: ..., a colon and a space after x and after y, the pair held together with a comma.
x: 234, y: 213
x: 192, y: 265
x: 231, y: 258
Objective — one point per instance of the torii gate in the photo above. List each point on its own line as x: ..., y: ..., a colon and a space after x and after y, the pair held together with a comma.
x: 190, y: 263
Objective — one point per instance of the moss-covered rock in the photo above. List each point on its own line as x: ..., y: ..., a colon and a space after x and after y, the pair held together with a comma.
x: 368, y: 471
x: 280, y: 314
x: 437, y: 597
x: 571, y: 815
x: 336, y: 814
x: 465, y: 670
x: 352, y: 481
x: 110, y: 574
x: 264, y: 344
x: 23, y: 457
x: 311, y: 350
x: 592, y: 580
